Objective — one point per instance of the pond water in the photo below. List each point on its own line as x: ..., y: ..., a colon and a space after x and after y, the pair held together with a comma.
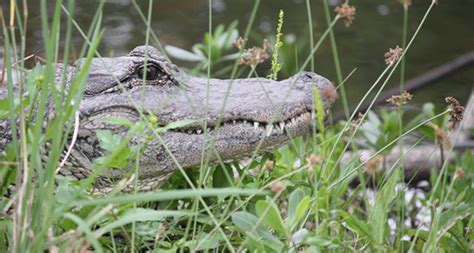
x: 447, y: 34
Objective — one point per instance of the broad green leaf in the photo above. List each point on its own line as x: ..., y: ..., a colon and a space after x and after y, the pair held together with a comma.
x: 254, y: 244
x: 302, y: 209
x: 66, y: 191
x: 205, y: 241
x: 324, y: 242
x: 182, y: 54
x: 446, y: 242
x: 5, y: 108
x: 230, y: 57
x: 428, y: 110
x: 218, y: 31
x: 220, y: 176
x: 293, y: 202
x: 270, y: 216
x: 4, y: 111
x: 298, y: 236
x: 248, y: 223
x: 118, y: 147
x: 229, y: 36
x: 211, y: 242
x: 453, y: 215
x: 108, y: 140
x: 198, y: 51
x: 378, y: 211
x: 34, y: 79
x: 361, y: 228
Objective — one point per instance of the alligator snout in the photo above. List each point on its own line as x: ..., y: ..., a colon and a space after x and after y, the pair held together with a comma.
x: 256, y: 100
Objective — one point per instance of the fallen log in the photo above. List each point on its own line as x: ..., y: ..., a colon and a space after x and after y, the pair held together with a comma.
x: 417, y: 162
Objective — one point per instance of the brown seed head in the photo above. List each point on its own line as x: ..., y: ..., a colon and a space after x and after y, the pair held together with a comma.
x: 354, y: 123
x: 238, y: 43
x: 313, y: 160
x: 459, y: 173
x: 456, y: 111
x: 346, y: 13
x: 255, y: 55
x: 405, y: 3
x: 401, y: 99
x: 254, y: 172
x: 393, y: 55
x: 442, y: 138
x: 373, y: 164
x: 277, y: 186
x: 269, y: 165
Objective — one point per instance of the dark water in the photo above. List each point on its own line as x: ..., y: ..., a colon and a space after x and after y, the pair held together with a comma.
x: 447, y: 34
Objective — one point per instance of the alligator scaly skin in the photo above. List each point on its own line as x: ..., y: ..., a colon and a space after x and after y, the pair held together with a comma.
x: 240, y: 115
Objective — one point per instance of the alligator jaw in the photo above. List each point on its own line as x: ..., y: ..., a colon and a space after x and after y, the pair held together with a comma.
x: 240, y: 116
x: 283, y: 127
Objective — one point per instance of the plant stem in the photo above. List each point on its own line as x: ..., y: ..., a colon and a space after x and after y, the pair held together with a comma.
x: 337, y: 65
x: 310, y: 28
x: 401, y: 211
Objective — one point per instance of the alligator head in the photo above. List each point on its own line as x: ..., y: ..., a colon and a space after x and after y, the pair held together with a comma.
x: 232, y: 118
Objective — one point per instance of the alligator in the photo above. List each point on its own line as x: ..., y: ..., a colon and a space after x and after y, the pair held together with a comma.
x: 228, y: 119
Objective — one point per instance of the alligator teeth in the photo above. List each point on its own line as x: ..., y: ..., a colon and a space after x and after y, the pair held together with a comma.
x: 268, y: 129
x: 282, y: 126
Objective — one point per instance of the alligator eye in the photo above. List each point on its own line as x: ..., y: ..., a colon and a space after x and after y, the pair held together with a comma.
x: 151, y: 72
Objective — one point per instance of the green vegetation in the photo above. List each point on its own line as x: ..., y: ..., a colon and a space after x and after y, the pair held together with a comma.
x: 276, y: 66
x: 299, y: 198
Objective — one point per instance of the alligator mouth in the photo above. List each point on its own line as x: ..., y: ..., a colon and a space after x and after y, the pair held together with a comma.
x: 276, y: 128
x: 282, y: 127
x: 295, y: 124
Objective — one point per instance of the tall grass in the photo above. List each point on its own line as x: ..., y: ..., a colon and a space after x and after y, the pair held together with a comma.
x: 401, y: 210
x: 335, y: 55
x: 297, y: 198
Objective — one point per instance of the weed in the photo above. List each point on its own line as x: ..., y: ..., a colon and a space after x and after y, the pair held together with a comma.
x: 276, y: 66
